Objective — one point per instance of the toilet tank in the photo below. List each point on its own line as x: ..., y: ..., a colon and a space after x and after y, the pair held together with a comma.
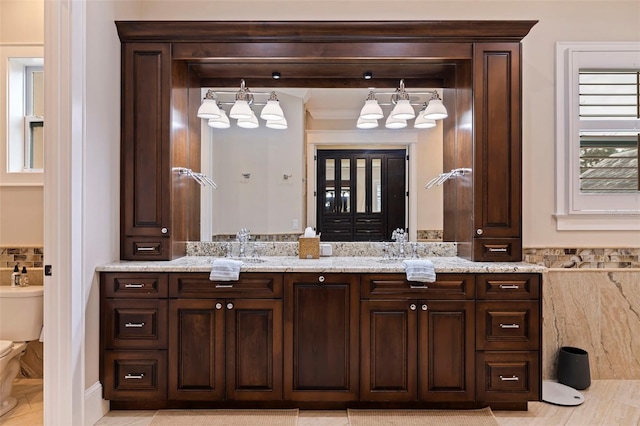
x: 21, y: 313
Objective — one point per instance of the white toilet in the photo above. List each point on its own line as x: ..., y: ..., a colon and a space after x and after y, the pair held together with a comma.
x: 21, y: 313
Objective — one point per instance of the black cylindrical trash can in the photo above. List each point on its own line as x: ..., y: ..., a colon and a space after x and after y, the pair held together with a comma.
x: 573, y: 367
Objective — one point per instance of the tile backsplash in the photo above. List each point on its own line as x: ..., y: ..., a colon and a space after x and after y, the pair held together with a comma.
x: 583, y: 258
x: 31, y: 257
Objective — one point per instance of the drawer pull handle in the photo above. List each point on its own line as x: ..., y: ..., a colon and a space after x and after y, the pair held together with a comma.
x: 509, y: 286
x: 509, y: 325
x: 145, y: 248
x: 134, y: 376
x: 497, y: 250
x: 224, y: 285
x: 509, y: 379
x: 133, y: 285
x: 419, y: 286
x: 134, y: 325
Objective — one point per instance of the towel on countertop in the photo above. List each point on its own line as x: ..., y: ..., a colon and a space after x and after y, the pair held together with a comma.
x: 225, y: 270
x: 420, y: 270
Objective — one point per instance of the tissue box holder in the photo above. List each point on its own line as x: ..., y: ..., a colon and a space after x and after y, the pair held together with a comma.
x: 309, y: 247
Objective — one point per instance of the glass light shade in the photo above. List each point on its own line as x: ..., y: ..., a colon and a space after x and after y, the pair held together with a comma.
x: 240, y: 110
x: 371, y: 110
x: 209, y: 109
x: 435, y: 110
x: 364, y: 123
x: 394, y: 123
x: 277, y: 124
x: 423, y: 123
x: 221, y: 122
x: 403, y: 110
x: 249, y: 123
x: 272, y: 111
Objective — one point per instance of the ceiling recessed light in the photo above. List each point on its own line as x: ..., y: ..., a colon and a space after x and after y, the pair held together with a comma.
x: 368, y: 75
x: 275, y: 75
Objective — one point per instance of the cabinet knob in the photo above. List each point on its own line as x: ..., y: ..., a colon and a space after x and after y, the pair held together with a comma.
x: 321, y: 278
x: 413, y: 306
x: 164, y: 230
x: 218, y: 305
x: 479, y: 231
x: 424, y: 307
x: 229, y: 305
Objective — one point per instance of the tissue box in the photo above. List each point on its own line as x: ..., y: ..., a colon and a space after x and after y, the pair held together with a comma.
x: 309, y: 247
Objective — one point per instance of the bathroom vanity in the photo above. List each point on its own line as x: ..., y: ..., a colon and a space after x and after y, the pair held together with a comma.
x: 328, y: 333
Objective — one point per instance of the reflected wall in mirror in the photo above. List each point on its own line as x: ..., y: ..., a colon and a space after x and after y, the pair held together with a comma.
x: 277, y: 208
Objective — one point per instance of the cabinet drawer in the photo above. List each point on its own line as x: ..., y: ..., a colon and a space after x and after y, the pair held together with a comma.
x: 396, y: 286
x: 250, y: 286
x: 145, y: 248
x: 510, y: 325
x: 135, y: 285
x: 508, y: 376
x: 508, y: 286
x: 497, y: 249
x: 135, y: 324
x: 140, y: 375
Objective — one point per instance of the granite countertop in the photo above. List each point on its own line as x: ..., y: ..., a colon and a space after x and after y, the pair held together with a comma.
x: 356, y: 264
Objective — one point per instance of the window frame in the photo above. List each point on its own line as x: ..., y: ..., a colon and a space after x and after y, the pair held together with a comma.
x: 576, y: 210
x: 12, y: 114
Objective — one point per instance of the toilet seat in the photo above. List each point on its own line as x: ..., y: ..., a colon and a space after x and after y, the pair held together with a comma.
x: 5, y: 347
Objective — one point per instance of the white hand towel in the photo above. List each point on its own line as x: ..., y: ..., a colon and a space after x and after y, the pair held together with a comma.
x: 421, y: 270
x: 225, y: 270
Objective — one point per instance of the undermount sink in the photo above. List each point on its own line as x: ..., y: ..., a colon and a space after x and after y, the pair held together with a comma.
x: 251, y: 259
x: 390, y: 260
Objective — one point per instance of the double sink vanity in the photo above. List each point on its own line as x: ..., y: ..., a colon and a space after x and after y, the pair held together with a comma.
x: 336, y: 332
x: 326, y: 333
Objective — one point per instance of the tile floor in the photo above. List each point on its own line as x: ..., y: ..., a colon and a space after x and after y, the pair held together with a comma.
x: 607, y: 403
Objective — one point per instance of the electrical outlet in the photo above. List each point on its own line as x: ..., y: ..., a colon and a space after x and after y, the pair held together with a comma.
x: 295, y: 223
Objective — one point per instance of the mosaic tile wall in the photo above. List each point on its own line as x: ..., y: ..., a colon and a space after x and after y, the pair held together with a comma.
x: 31, y: 257
x: 570, y: 258
x: 423, y: 234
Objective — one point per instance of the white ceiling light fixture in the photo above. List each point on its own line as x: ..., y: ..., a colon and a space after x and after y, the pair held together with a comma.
x: 403, y: 109
x: 272, y: 110
x: 221, y: 122
x: 241, y: 103
x: 371, y: 109
x: 422, y: 122
x: 241, y: 109
x: 435, y: 109
x: 366, y: 123
x: 209, y: 108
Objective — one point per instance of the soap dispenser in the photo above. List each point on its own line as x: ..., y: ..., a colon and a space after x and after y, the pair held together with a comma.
x: 24, y: 278
x: 15, y: 277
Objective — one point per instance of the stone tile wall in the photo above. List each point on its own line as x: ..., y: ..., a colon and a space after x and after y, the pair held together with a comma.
x: 583, y: 257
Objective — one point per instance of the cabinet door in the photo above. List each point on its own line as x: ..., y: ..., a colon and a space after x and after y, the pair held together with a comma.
x: 146, y: 172
x: 196, y: 349
x: 254, y: 349
x: 388, y: 350
x: 497, y: 163
x: 321, y: 337
x: 446, y: 351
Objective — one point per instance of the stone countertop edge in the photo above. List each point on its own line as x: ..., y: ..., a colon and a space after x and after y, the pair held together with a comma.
x: 331, y: 264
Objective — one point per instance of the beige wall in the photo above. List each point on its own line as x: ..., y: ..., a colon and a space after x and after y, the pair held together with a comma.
x: 21, y: 208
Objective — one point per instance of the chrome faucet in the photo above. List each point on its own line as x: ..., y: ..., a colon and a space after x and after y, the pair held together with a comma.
x: 400, y: 237
x: 243, y: 236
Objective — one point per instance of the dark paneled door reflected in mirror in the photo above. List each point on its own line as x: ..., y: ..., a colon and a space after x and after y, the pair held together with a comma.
x: 361, y: 194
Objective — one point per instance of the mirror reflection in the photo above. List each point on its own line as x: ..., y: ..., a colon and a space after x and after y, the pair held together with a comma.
x: 270, y: 180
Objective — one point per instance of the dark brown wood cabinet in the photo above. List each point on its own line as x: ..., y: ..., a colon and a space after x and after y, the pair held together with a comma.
x: 320, y: 340
x: 321, y: 336
x: 227, y: 347
x: 415, y: 346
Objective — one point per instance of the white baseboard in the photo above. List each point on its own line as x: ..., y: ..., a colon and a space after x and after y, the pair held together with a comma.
x: 94, y: 406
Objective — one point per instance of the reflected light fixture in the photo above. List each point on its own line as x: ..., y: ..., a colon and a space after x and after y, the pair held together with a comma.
x: 249, y: 123
x: 403, y: 110
x: 277, y: 124
x: 221, y: 122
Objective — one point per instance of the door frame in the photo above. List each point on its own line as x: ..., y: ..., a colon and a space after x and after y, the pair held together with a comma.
x: 355, y: 139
